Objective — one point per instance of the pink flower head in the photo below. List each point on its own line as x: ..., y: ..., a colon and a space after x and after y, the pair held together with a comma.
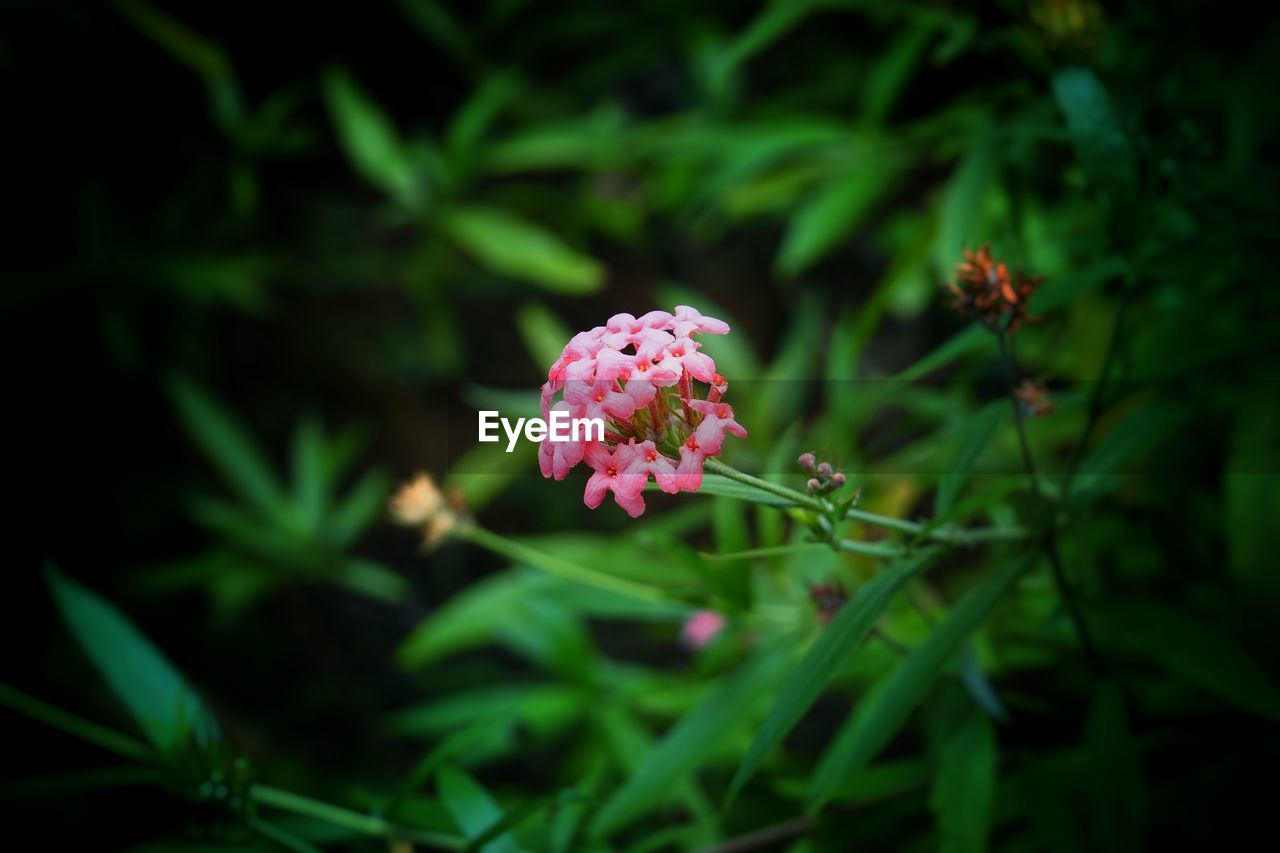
x: 639, y: 375
x: 701, y: 628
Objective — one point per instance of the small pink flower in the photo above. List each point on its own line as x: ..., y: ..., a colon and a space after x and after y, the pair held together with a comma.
x: 717, y: 419
x: 598, y: 400
x: 689, y: 472
x: 684, y: 353
x: 649, y: 461
x: 611, y: 476
x: 689, y: 320
x: 701, y: 628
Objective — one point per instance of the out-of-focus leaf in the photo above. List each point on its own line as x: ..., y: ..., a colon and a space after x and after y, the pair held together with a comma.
x: 193, y: 50
x: 1252, y: 488
x: 473, y: 808
x: 309, y: 492
x: 877, y: 720
x: 834, y: 646
x: 370, y: 140
x: 558, y: 567
x: 523, y: 251
x: 834, y: 212
x: 891, y: 72
x: 960, y: 223
x: 978, y: 686
x: 467, y: 620
x: 218, y: 433
x: 372, y: 579
x: 964, y: 782
x: 1061, y: 290
x: 977, y: 435
x: 1187, y: 649
x: 1116, y: 791
x: 1101, y: 144
x: 687, y: 744
x: 485, y: 471
x: 358, y: 509
x: 87, y: 730
x: 971, y: 339
x: 544, y: 333
x: 164, y: 706
x: 476, y: 115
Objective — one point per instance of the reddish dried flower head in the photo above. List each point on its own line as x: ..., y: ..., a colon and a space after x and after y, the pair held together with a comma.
x: 1033, y: 398
x: 985, y: 290
x: 643, y: 377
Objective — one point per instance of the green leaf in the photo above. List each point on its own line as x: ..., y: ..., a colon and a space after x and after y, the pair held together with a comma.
x: 1102, y: 146
x: 523, y: 251
x: 309, y: 492
x: 715, y: 484
x: 1116, y: 790
x: 1253, y: 499
x: 960, y: 222
x: 369, y: 139
x: 971, y: 339
x: 834, y: 646
x: 964, y: 781
x: 878, y: 719
x: 543, y: 332
x: 219, y: 434
x: 467, y: 620
x: 372, y: 579
x: 1188, y: 649
x: 830, y: 216
x: 86, y: 730
x: 978, y: 432
x: 689, y: 742
x: 358, y: 509
x: 472, y: 807
x: 164, y: 706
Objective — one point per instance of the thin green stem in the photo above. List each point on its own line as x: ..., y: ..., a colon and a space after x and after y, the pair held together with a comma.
x: 798, y: 498
x: 949, y: 535
x: 365, y: 824
x: 1097, y: 400
x: 1049, y: 542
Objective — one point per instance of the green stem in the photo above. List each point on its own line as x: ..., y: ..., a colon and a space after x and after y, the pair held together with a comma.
x: 715, y: 466
x: 365, y: 824
x: 949, y: 535
x: 1049, y: 542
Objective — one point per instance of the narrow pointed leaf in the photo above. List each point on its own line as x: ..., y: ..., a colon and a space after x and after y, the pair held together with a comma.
x: 832, y: 649
x: 165, y: 707
x: 877, y: 720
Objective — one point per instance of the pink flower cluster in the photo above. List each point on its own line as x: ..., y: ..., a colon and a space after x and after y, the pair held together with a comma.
x: 641, y: 376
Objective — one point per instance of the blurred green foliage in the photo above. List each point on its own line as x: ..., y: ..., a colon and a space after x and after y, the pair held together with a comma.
x: 243, y: 227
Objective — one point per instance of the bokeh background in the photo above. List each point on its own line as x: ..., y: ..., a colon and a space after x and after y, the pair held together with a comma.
x: 263, y: 259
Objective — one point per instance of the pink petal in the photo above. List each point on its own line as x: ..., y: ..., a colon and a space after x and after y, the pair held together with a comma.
x: 633, y: 504
x: 689, y: 472
x: 597, y: 486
